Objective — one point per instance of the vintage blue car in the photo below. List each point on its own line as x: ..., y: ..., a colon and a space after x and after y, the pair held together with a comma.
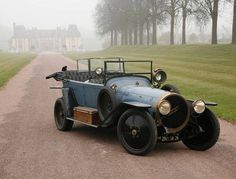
x: 130, y: 95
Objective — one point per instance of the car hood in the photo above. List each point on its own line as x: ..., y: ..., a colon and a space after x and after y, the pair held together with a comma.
x: 146, y: 95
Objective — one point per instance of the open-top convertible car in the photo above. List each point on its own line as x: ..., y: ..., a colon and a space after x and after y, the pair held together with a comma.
x: 130, y: 95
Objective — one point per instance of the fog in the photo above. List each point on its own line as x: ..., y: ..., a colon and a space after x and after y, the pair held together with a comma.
x: 50, y: 14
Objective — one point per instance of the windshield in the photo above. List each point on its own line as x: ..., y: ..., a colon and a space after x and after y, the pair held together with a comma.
x: 130, y: 67
x: 93, y: 63
x: 116, y: 66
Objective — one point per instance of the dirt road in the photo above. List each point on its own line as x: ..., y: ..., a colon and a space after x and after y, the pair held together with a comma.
x: 32, y: 147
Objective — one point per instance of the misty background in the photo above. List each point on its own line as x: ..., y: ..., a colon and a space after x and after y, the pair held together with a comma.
x: 49, y: 14
x: 45, y: 14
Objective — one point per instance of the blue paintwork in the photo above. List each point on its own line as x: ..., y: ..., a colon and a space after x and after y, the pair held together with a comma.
x: 137, y: 89
x: 129, y: 81
x: 85, y: 93
x: 146, y: 95
x: 138, y: 104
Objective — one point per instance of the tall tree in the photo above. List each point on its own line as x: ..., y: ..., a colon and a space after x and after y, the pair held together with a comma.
x: 188, y: 8
x: 148, y: 31
x: 211, y: 8
x: 154, y: 22
x: 103, y: 21
x: 106, y: 20
x: 214, y: 16
x: 135, y: 20
x: 142, y: 13
x: 112, y: 38
x: 172, y: 7
x: 234, y: 25
x: 124, y: 8
x: 157, y: 16
x: 184, y: 5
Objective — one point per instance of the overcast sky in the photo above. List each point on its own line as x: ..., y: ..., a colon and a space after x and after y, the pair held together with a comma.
x: 48, y: 13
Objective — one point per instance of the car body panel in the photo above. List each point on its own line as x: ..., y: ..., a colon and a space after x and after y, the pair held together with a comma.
x: 129, y: 80
x: 146, y: 95
x: 85, y: 93
x: 137, y: 104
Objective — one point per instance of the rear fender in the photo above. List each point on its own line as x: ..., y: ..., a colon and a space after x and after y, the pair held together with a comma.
x: 69, y: 100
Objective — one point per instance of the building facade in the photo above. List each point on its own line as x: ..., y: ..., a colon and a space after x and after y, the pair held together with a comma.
x: 26, y: 40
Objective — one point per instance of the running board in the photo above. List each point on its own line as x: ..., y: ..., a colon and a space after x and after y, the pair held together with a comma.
x: 91, y: 125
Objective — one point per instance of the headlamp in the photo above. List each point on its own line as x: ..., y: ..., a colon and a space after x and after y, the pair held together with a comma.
x: 159, y: 76
x: 164, y: 107
x: 99, y: 71
x: 199, y: 106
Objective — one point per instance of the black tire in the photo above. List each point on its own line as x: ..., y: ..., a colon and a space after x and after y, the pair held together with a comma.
x: 210, y: 134
x: 106, y: 103
x: 170, y: 88
x: 60, y: 114
x: 137, y: 132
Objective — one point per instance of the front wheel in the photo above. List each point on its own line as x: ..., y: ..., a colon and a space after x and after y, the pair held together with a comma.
x: 137, y: 132
x: 60, y: 114
x: 209, y: 132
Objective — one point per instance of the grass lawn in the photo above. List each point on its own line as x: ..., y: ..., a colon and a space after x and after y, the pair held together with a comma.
x: 10, y: 64
x: 199, y: 71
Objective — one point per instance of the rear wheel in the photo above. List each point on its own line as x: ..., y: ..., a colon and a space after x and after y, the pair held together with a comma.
x: 209, y: 132
x: 60, y: 114
x: 137, y: 132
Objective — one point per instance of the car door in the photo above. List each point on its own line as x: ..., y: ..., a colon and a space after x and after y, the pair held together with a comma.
x: 85, y: 93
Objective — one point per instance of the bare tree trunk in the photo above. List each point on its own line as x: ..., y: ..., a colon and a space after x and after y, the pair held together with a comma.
x: 126, y: 37
x: 172, y: 26
x: 130, y: 36
x: 115, y: 38
x: 214, y: 17
x: 148, y: 32
x: 184, y: 25
x: 154, y: 31
x: 112, y: 35
x: 122, y: 37
x: 154, y: 23
x: 135, y: 35
x: 234, y: 25
x: 141, y: 34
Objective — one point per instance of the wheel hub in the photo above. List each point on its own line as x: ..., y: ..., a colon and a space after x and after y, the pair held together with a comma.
x: 134, y: 132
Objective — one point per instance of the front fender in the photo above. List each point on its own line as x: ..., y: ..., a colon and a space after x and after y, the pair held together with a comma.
x: 137, y: 104
x: 207, y: 103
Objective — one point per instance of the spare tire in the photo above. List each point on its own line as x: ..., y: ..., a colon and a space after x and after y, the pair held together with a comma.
x: 106, y: 104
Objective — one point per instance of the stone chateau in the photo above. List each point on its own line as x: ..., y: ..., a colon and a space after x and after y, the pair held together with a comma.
x: 26, y: 40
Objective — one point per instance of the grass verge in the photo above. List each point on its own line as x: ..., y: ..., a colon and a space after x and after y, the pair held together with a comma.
x: 10, y: 64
